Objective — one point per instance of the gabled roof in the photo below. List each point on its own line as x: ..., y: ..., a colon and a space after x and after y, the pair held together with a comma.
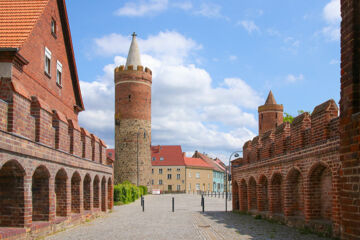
x: 17, y: 20
x: 171, y: 154
x: 196, y: 162
x: 209, y: 161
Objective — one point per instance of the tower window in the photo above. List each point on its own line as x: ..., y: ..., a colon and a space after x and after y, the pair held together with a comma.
x: 129, y: 98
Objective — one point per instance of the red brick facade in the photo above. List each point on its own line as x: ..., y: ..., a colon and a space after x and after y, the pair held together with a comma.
x: 291, y: 173
x: 52, y: 172
x: 350, y: 119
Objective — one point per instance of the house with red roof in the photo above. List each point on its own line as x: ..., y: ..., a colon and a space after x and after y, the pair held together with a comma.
x: 219, y: 171
x: 199, y: 175
x: 168, y: 168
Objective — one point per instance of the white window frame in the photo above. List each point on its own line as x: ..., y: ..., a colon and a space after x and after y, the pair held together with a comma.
x: 160, y: 171
x: 169, y: 176
x: 178, y: 176
x: 178, y: 188
x: 198, y: 186
x: 197, y: 175
x: 47, y: 69
x: 161, y: 158
x: 160, y: 182
x: 58, y: 69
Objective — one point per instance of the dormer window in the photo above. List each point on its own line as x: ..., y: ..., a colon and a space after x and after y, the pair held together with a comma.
x: 53, y: 27
x: 47, y: 62
x: 58, y: 73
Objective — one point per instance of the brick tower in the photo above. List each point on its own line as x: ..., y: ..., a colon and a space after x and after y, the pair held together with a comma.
x: 133, y: 120
x: 270, y: 114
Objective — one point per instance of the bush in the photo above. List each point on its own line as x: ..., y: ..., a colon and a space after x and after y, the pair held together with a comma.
x: 143, y: 190
x: 127, y: 192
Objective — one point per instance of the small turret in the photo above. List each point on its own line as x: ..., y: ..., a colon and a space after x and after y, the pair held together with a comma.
x: 270, y: 114
x: 134, y: 54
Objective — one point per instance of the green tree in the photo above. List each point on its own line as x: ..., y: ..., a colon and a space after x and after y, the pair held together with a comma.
x: 288, y: 118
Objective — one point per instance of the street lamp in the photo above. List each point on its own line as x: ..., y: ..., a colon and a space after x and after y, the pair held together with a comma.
x: 235, y: 154
x: 137, y: 152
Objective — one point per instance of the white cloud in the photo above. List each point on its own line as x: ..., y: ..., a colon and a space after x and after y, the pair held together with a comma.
x: 187, y: 108
x: 291, y: 45
x: 293, y: 79
x: 232, y: 57
x: 249, y: 26
x: 142, y: 8
x: 334, y: 61
x: 209, y: 10
x: 332, y: 16
x: 331, y: 12
x: 183, y: 5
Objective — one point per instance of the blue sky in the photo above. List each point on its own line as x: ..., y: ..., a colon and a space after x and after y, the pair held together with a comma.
x: 214, y: 62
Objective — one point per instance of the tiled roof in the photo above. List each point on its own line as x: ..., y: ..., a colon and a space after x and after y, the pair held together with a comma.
x: 17, y: 19
x: 196, y: 162
x: 172, y: 155
x: 209, y: 161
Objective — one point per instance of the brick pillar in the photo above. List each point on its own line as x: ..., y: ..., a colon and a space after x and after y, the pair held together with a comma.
x: 68, y: 197
x: 27, y: 201
x: 350, y: 119
x: 52, y: 199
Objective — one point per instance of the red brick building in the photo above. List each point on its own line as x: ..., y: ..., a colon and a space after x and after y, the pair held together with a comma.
x: 52, y: 172
x: 307, y: 173
x: 291, y: 172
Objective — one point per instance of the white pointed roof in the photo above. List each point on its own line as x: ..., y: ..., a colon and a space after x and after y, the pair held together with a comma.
x: 134, y: 54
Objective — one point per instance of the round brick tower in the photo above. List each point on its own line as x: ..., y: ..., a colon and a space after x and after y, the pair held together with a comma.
x: 133, y: 120
x: 270, y: 115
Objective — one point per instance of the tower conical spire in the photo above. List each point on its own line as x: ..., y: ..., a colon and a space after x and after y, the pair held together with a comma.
x: 134, y: 53
x: 270, y: 99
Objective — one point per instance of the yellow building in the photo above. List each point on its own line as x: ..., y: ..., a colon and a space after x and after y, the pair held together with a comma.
x: 199, y: 175
x: 168, y: 168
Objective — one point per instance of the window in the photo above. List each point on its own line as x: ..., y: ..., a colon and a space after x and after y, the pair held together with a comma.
x: 153, y: 158
x: 198, y: 186
x: 169, y: 169
x: 197, y: 175
x: 58, y: 73
x: 160, y: 182
x: 177, y: 176
x: 189, y: 174
x: 161, y: 159
x: 182, y: 181
x: 152, y: 171
x: 53, y: 27
x: 208, y: 186
x: 152, y: 181
x: 208, y: 175
x: 160, y: 170
x: 178, y: 169
x: 169, y: 176
x: 178, y: 187
x: 47, y: 61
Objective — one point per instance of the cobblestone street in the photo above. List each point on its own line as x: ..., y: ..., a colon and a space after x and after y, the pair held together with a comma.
x: 187, y: 222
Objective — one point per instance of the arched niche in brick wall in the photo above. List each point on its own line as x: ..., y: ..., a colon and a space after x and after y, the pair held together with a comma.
x: 243, y: 195
x: 110, y: 193
x: 40, y: 194
x: 61, y: 193
x: 87, y: 192
x: 263, y: 199
x: 276, y: 195
x: 235, y: 192
x: 320, y: 192
x: 294, y: 193
x: 96, y: 192
x: 252, y: 194
x: 12, y: 204
x: 75, y: 192
x: 103, y: 194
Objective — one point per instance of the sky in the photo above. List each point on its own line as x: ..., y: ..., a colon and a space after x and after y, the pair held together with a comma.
x: 213, y: 63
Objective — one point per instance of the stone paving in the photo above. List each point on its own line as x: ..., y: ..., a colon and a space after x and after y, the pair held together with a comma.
x: 187, y: 222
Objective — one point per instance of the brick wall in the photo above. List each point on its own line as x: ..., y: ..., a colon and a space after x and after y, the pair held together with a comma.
x: 291, y: 173
x: 349, y: 119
